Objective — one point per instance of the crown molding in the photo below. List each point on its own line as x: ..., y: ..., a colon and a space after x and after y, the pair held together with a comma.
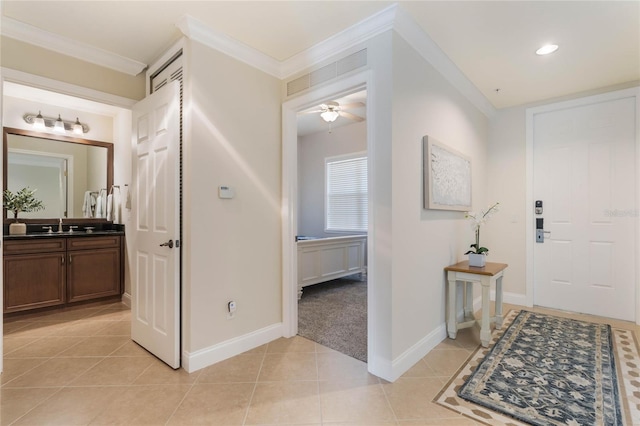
x: 413, y: 34
x: 356, y: 34
x: 197, y: 31
x: 29, y: 34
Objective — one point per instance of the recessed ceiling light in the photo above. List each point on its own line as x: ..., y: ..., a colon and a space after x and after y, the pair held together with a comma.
x: 546, y: 49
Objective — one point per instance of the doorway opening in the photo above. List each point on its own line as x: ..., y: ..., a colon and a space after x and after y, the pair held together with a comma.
x: 355, y: 85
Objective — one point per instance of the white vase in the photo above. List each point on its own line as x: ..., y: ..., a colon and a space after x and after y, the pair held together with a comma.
x: 477, y: 260
x: 17, y: 228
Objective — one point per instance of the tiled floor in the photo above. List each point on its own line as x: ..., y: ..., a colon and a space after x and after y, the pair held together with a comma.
x: 79, y: 367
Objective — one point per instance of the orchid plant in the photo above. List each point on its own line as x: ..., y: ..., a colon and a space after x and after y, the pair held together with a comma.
x: 477, y: 220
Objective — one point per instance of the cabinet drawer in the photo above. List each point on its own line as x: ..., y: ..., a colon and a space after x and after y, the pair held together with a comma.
x: 85, y: 243
x: 34, y: 246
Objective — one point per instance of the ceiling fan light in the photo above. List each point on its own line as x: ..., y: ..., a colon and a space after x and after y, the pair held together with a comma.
x: 546, y: 49
x: 329, y: 116
x: 38, y: 121
x: 59, y: 125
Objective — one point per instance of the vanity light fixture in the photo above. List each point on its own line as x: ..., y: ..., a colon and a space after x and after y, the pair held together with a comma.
x: 546, y: 49
x: 57, y: 124
x: 38, y: 121
x: 77, y: 127
x: 329, y: 116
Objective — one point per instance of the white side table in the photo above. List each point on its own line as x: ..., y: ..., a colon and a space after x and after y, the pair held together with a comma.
x: 490, y: 274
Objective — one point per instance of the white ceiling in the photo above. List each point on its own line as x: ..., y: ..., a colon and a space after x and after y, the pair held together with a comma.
x: 492, y: 43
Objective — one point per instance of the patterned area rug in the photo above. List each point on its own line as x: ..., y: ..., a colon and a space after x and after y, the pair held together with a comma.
x: 533, y: 373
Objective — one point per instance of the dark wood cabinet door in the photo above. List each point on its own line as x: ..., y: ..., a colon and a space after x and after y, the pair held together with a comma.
x: 34, y: 281
x: 93, y: 273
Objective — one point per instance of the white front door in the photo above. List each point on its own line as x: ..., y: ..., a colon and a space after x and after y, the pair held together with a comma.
x: 155, y: 290
x: 584, y: 174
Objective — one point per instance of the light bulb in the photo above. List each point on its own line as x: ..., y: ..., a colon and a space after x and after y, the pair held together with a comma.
x: 77, y: 127
x: 38, y: 121
x: 59, y: 125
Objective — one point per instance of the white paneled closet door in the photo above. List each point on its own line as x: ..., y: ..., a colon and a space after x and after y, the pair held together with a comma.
x: 155, y: 322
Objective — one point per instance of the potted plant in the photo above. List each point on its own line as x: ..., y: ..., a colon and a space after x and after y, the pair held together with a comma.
x: 21, y: 201
x: 478, y: 253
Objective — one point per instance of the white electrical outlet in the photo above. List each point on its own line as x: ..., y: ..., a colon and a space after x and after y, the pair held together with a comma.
x: 231, y: 309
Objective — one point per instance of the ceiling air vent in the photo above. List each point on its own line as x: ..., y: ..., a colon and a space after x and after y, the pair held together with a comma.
x: 328, y: 72
x: 352, y: 62
x: 298, y: 85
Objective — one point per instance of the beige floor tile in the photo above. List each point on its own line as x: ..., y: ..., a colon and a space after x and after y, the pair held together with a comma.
x: 15, y: 403
x: 292, y: 344
x: 114, y: 371
x: 336, y: 366
x: 284, y: 403
x: 411, y: 398
x: 420, y: 369
x: 160, y: 373
x: 96, y: 346
x: 41, y: 329
x: 114, y: 328
x: 262, y: 349
x: 445, y: 362
x: 131, y: 348
x: 111, y: 315
x: 214, y: 404
x: 81, y: 328
x: 240, y: 368
x: 14, y: 326
x: 141, y: 405
x: 14, y: 342
x: 354, y: 401
x: 70, y: 406
x: 44, y: 347
x: 288, y: 366
x: 16, y: 367
x: 54, y: 372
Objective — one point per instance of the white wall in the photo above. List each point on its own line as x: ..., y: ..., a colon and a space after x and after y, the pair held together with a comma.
x: 426, y: 241
x: 505, y: 233
x: 232, y: 247
x: 313, y: 149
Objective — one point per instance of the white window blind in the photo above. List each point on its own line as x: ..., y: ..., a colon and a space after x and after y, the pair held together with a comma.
x: 346, y: 194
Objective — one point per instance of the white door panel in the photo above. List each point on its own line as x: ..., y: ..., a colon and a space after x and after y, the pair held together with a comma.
x: 584, y: 172
x: 156, y: 289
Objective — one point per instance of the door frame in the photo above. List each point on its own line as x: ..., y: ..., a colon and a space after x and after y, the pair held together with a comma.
x: 116, y: 106
x: 350, y: 84
x: 529, y: 223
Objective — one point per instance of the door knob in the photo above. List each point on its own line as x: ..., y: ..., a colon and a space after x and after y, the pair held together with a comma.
x: 167, y: 244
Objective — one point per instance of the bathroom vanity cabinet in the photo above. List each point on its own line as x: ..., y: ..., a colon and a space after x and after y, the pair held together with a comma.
x: 57, y: 271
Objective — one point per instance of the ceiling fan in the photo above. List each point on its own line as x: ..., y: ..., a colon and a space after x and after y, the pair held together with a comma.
x: 330, y: 111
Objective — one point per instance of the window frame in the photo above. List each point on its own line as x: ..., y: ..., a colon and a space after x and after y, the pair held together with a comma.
x: 340, y: 158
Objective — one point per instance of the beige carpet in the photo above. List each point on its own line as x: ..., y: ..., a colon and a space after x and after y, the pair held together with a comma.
x: 334, y: 314
x: 627, y: 363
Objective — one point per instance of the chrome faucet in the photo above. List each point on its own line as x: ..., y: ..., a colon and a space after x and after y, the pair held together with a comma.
x: 60, y: 226
x: 48, y: 228
x: 71, y: 228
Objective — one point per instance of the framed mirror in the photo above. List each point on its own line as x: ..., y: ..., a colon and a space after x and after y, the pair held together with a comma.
x: 62, y: 169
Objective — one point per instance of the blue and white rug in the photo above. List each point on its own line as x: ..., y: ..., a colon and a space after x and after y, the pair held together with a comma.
x: 546, y: 370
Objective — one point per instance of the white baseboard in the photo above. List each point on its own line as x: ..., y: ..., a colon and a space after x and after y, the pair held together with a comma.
x: 126, y: 299
x: 193, y: 361
x: 391, y: 371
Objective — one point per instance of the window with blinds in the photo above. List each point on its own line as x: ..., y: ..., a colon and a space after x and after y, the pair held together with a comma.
x: 346, y: 203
